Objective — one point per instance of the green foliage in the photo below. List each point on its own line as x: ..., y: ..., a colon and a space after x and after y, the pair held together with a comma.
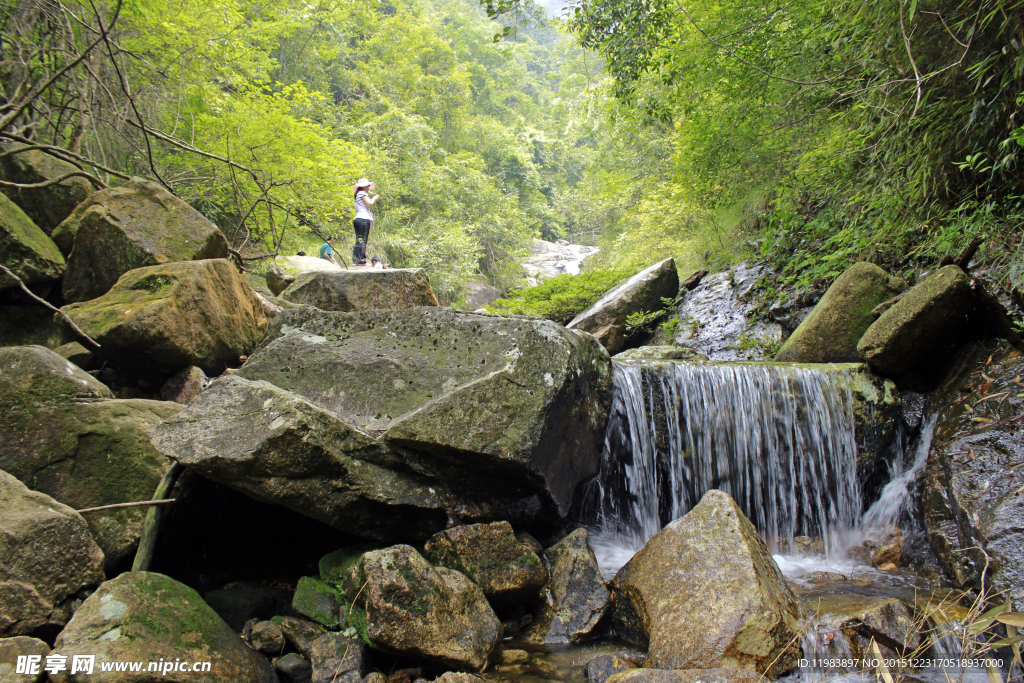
x: 561, y: 298
x: 642, y: 321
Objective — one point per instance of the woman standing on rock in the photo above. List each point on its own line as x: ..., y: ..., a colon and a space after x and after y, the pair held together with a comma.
x: 363, y: 220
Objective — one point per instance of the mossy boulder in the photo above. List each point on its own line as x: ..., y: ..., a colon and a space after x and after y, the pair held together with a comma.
x: 704, y: 592
x: 77, y: 355
x: 146, y: 617
x: 46, y: 558
x: 318, y: 601
x: 31, y: 325
x: 925, y: 324
x: 174, y: 315
x: 284, y: 270
x: 25, y: 250
x: 430, y: 613
x: 136, y: 225
x: 34, y: 375
x: 829, y: 334
x: 278, y: 448
x: 362, y: 289
x: 501, y: 407
x: 46, y: 206
x: 973, y: 507
x: 642, y: 293
x: 490, y: 555
x: 576, y: 597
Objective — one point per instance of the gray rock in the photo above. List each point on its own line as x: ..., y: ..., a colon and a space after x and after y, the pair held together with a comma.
x: 285, y: 269
x: 480, y: 293
x: 301, y: 634
x: 430, y: 613
x: 46, y: 206
x: 601, y: 668
x: 339, y: 659
x: 34, y: 375
x: 46, y: 557
x: 136, y: 225
x: 642, y: 293
x: 576, y: 597
x: 21, y: 646
x: 267, y: 637
x: 730, y: 606
x: 294, y: 668
x: 25, y: 250
x: 186, y: 384
x: 663, y: 352
x: 146, y: 617
x: 362, y: 290
x: 551, y: 259
x: 491, y: 557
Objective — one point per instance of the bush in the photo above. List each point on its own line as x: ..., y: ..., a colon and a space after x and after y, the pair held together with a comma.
x: 561, y: 298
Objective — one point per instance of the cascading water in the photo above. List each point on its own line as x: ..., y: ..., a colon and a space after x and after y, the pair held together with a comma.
x: 779, y: 439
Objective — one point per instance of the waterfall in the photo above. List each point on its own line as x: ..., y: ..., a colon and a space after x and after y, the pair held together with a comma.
x: 779, y: 439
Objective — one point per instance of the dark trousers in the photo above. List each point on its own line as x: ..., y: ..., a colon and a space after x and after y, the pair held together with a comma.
x: 362, y: 228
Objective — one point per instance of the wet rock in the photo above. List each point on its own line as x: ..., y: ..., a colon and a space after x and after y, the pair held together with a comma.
x: 46, y: 206
x: 135, y: 225
x: 278, y: 448
x: 430, y: 613
x: 642, y: 293
x: 489, y: 554
x: 286, y: 269
x: 551, y: 259
x: 301, y: 634
x: 974, y: 474
x: 666, y: 352
x: 529, y: 397
x: 186, y: 384
x: 576, y: 597
x: 731, y: 606
x: 21, y: 646
x: 722, y: 675
x: 829, y: 334
x: 315, y: 599
x: 853, y: 620
x: 888, y: 554
x: 716, y: 322
x: 338, y: 658
x: 31, y: 325
x: 600, y: 669
x: 145, y: 617
x: 25, y: 250
x: 362, y: 290
x: 174, y: 315
x: 293, y: 668
x: 267, y: 637
x: 512, y: 656
x: 238, y: 604
x: 922, y: 326
x: 458, y: 677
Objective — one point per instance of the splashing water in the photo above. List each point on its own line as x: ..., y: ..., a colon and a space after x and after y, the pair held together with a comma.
x: 779, y: 439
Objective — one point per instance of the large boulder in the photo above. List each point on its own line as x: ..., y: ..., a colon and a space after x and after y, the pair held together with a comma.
x: 973, y: 507
x: 46, y: 206
x: 921, y: 326
x: 122, y: 228
x: 362, y: 289
x: 63, y: 434
x: 148, y: 617
x: 46, y: 557
x: 704, y: 593
x: 499, y: 406
x: 829, y: 334
x: 173, y: 315
x: 279, y: 448
x: 490, y: 555
x: 642, y: 293
x: 576, y: 597
x: 284, y: 270
x: 430, y: 613
x: 25, y: 250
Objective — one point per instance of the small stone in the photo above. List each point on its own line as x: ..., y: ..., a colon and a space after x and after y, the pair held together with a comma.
x: 600, y: 669
x: 889, y: 553
x: 293, y: 668
x: 185, y: 385
x: 267, y: 637
x: 375, y: 677
x: 318, y: 601
x: 513, y: 657
x: 888, y: 567
x: 338, y: 659
x: 301, y: 634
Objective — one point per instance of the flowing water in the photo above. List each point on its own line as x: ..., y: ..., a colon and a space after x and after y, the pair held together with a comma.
x: 779, y: 439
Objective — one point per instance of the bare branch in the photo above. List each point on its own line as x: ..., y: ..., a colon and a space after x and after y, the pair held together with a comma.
x: 62, y: 314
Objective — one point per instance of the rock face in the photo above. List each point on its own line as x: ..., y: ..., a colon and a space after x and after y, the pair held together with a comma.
x: 704, y: 593
x: 829, y: 334
x: 146, y: 617
x: 362, y: 290
x: 136, y: 225
x: 46, y: 557
x: 664, y: 352
x: 606, y: 317
x: 506, y: 570
x: 63, y: 434
x: 25, y: 250
x: 46, y: 206
x: 972, y: 480
x: 279, y: 448
x: 286, y: 269
x: 515, y: 406
x: 174, y: 315
x: 717, y: 322
x: 576, y: 595
x: 923, y: 323
x: 414, y: 609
